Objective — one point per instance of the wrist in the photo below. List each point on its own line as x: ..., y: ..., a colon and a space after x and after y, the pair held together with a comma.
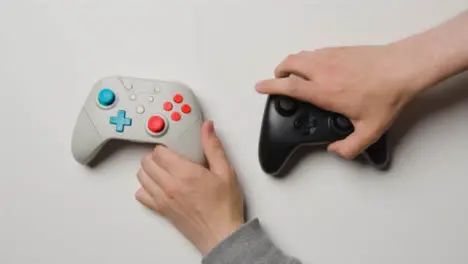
x: 245, y: 245
x: 214, y: 236
x: 419, y: 67
x: 436, y: 54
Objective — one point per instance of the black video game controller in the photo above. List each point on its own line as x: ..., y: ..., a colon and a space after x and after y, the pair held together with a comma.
x: 289, y: 124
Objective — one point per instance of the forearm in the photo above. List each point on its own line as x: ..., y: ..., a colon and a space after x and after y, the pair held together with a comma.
x: 438, y: 53
x: 249, y: 244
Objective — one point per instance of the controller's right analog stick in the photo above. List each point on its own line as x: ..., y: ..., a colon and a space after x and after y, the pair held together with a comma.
x: 342, y: 124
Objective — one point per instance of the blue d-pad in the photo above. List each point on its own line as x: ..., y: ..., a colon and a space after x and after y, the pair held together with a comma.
x: 120, y: 121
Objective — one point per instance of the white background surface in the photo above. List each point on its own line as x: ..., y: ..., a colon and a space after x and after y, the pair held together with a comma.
x: 327, y: 211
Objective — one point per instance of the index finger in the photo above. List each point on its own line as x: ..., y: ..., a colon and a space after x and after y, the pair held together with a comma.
x: 296, y: 64
x: 297, y: 88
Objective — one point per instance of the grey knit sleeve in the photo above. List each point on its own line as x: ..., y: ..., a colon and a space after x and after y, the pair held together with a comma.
x: 248, y: 245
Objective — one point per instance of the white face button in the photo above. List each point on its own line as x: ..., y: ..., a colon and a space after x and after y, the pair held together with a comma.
x: 133, y: 97
x: 157, y: 90
x: 140, y: 109
x: 126, y: 84
x: 151, y: 99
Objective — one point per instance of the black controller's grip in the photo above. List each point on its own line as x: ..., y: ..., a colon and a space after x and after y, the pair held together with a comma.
x: 378, y: 153
x: 274, y: 156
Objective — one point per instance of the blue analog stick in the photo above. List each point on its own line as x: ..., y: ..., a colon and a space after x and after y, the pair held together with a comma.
x: 106, y: 97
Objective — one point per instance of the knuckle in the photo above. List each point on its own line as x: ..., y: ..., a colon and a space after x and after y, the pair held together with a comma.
x: 161, y: 206
x: 293, y: 85
x: 189, y: 178
x: 370, y: 137
x: 370, y: 133
x: 229, y: 173
x: 215, y: 141
x: 156, y: 153
x: 325, y: 50
x: 303, y: 53
x: 172, y: 191
x: 140, y: 174
x: 217, y: 144
x: 336, y: 89
x: 285, y: 63
x: 145, y: 161
x: 292, y: 59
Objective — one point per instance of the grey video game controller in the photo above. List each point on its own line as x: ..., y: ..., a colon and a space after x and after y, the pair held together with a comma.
x: 142, y: 111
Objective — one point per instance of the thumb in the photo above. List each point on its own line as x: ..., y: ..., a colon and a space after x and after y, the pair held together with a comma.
x: 354, y: 144
x: 214, y: 150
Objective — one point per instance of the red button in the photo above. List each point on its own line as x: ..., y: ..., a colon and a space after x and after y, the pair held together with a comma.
x: 167, y: 106
x: 186, y: 109
x: 156, y: 124
x: 178, y: 98
x: 175, y: 116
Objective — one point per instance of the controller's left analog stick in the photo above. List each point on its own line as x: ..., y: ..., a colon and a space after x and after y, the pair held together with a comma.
x: 286, y: 106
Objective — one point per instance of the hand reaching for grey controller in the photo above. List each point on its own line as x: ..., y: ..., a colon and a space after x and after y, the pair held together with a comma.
x: 205, y: 205
x: 368, y: 84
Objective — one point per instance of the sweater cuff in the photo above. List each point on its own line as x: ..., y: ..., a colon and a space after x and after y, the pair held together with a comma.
x: 246, y: 245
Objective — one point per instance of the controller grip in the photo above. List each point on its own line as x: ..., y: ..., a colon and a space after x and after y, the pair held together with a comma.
x: 86, y: 141
x: 190, y: 145
x: 378, y: 154
x: 273, y: 156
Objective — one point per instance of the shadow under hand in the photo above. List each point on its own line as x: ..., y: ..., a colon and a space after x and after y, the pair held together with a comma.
x: 112, y: 147
x: 444, y: 95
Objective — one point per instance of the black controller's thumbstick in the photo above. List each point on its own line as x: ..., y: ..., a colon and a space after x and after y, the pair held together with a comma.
x: 286, y: 106
x: 342, y: 124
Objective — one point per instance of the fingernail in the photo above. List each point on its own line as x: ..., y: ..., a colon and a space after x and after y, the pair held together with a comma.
x: 210, y: 127
x: 259, y: 84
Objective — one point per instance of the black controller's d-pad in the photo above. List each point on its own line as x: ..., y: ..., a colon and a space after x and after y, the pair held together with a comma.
x: 306, y: 123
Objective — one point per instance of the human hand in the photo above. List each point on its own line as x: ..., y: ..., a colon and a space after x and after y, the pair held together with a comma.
x: 205, y: 205
x: 368, y: 84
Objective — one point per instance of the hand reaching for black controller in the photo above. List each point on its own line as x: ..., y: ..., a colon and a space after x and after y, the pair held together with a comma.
x: 358, y: 82
x: 368, y: 84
